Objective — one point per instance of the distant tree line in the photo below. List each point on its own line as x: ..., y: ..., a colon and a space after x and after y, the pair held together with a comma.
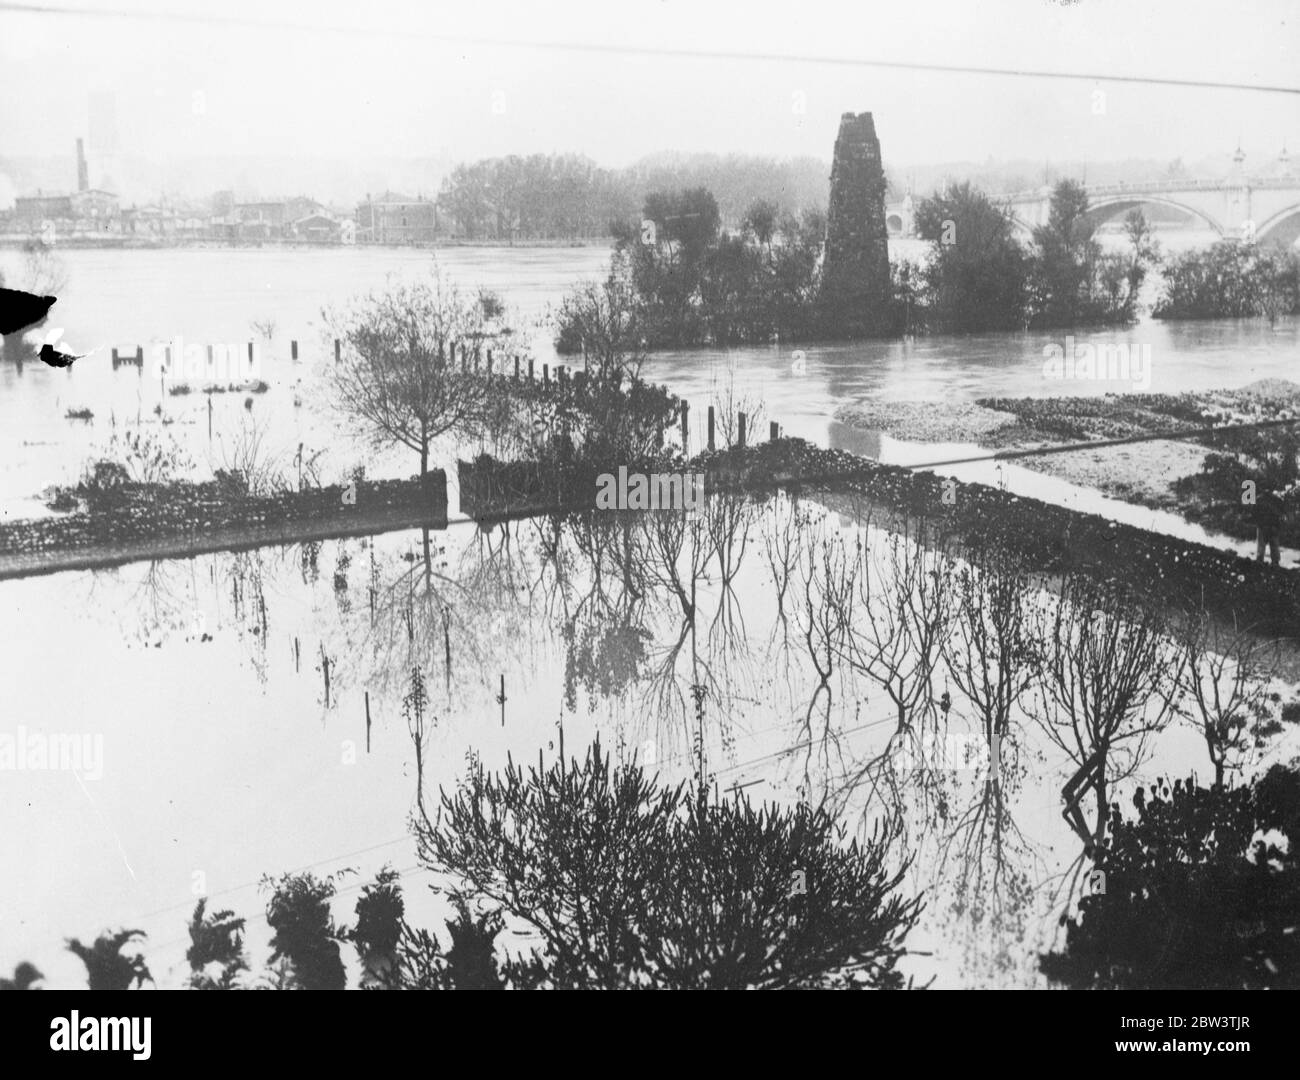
x: 541, y: 197
x: 569, y: 197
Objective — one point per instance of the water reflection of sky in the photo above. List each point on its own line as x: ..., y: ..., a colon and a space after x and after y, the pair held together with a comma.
x: 221, y: 757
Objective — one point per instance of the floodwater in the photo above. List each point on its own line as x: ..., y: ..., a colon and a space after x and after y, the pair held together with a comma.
x: 223, y: 760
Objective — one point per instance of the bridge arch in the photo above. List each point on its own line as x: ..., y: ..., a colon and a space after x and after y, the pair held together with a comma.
x: 1282, y: 228
x: 1109, y: 207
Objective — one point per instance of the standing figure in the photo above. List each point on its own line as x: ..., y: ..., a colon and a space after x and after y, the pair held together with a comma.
x: 1269, y: 511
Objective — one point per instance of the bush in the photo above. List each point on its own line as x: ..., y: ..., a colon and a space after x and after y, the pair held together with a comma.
x: 1196, y: 897
x: 305, y: 934
x: 1230, y: 280
x: 632, y: 885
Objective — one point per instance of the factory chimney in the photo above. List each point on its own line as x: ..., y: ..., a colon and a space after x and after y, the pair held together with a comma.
x: 83, y: 174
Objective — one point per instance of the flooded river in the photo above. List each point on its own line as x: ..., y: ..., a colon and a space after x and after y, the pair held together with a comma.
x: 251, y: 705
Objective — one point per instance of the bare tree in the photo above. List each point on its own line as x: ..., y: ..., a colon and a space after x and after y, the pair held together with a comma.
x: 906, y: 598
x: 1223, y: 689
x: 824, y: 621
x: 398, y: 377
x: 603, y: 320
x: 992, y: 655
x: 1107, y: 687
x: 902, y: 610
x: 44, y: 272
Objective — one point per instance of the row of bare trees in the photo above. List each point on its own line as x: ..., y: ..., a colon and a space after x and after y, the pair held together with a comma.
x: 1096, y: 672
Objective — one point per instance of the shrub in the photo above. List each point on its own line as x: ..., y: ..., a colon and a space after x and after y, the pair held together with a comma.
x: 1196, y: 896
x: 628, y: 884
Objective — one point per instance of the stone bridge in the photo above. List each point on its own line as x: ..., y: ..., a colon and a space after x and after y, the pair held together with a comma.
x: 1263, y: 209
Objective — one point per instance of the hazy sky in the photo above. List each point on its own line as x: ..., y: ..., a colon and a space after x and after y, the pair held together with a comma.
x: 374, y: 87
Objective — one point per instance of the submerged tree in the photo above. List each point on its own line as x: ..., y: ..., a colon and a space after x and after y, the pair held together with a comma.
x: 398, y: 377
x: 1108, y: 684
x: 1073, y: 282
x: 1224, y: 691
x: 976, y: 274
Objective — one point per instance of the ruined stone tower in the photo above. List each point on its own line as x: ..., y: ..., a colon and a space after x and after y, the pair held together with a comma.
x: 855, y: 272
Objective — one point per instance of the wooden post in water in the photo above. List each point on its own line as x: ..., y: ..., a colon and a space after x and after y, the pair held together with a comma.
x: 209, y: 418
x: 530, y: 369
x: 546, y: 374
x: 774, y: 432
x: 338, y: 350
x: 293, y: 351
x: 686, y: 429
x: 516, y: 369
x: 367, y: 721
x: 740, y: 430
x: 711, y: 428
x: 502, y: 698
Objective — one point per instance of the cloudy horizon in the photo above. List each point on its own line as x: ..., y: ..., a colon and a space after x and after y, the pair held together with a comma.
x: 263, y: 81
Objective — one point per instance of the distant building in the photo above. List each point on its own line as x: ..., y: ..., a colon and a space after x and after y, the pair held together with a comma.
x: 95, y: 206
x: 90, y: 211
x: 391, y: 218
x: 273, y: 219
x: 151, y: 222
x: 299, y: 207
x: 31, y: 210
x: 260, y: 220
x: 87, y: 210
x: 316, y: 229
